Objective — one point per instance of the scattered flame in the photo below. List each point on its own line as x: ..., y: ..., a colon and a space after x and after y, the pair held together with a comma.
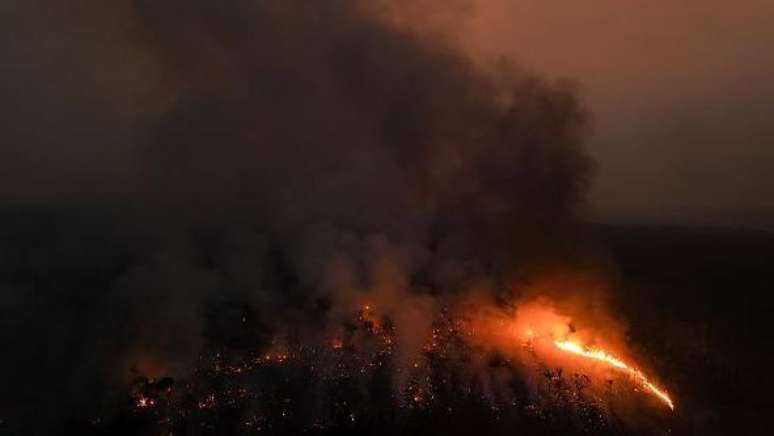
x: 208, y: 402
x: 371, y: 345
x: 602, y: 356
x: 145, y: 402
x: 371, y: 320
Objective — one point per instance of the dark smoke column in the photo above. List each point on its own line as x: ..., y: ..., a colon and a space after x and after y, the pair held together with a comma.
x: 295, y: 159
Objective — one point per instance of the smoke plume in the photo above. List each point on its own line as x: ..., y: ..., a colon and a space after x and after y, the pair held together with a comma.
x: 239, y: 175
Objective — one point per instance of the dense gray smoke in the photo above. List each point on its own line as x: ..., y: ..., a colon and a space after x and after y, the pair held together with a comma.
x: 198, y: 164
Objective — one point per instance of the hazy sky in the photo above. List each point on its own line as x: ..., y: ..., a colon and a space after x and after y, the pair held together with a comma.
x: 682, y: 94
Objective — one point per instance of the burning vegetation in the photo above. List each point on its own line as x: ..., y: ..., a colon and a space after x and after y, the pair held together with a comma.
x: 607, y: 359
x: 296, y: 385
x: 327, y: 221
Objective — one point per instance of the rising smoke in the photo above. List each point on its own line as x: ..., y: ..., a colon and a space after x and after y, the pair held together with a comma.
x: 280, y: 164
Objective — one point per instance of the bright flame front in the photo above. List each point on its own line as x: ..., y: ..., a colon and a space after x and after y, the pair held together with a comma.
x: 602, y: 356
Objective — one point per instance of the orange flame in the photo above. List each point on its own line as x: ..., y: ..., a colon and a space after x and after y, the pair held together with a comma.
x: 145, y: 402
x: 602, y: 356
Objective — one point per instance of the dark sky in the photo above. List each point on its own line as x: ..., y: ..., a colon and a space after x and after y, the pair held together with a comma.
x: 680, y: 95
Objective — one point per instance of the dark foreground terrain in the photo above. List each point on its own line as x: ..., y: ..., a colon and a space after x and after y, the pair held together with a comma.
x: 698, y: 303
x: 708, y: 294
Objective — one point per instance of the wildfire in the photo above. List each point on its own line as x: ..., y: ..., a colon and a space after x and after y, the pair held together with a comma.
x: 368, y: 348
x: 602, y: 356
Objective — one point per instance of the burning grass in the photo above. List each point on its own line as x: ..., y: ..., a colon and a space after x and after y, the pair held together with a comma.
x: 528, y: 361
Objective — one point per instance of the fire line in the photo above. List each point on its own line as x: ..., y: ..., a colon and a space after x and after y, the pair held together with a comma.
x: 602, y: 356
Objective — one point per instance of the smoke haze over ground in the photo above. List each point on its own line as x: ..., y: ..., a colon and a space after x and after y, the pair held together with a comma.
x: 679, y: 92
x: 188, y: 182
